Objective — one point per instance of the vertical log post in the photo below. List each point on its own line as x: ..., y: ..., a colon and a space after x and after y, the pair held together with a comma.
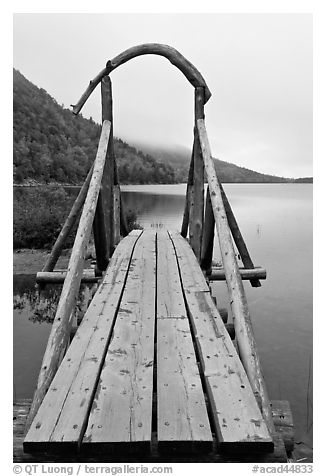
x: 124, y: 228
x: 104, y: 217
x: 208, y: 236
x: 185, y: 221
x: 196, y: 205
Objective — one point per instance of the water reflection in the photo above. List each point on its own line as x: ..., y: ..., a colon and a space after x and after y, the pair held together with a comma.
x: 41, y: 304
x: 276, y: 222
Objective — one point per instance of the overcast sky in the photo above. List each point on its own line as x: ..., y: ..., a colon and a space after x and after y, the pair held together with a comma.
x: 257, y: 66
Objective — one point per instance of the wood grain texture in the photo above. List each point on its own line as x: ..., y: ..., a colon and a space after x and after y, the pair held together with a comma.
x: 116, y: 213
x: 283, y: 422
x: 20, y: 412
x: 185, y: 218
x: 208, y: 236
x: 63, y: 413
x: 196, y: 211
x: 218, y: 274
x: 238, y: 301
x: 60, y: 331
x: 122, y: 408
x: 237, y: 419
x: 58, y: 277
x: 103, y: 226
x: 188, y: 69
x: 169, y: 300
x: 183, y: 423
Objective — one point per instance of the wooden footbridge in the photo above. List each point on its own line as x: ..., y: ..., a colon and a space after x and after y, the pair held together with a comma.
x: 152, y: 372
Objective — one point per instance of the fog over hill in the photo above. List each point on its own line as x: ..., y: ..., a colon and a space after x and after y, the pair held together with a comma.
x: 178, y: 157
x: 53, y: 145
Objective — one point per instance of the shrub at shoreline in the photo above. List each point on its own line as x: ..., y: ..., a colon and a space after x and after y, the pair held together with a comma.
x: 40, y: 212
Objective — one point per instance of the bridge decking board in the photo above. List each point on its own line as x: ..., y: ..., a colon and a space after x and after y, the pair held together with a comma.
x: 170, y: 302
x: 102, y: 395
x: 63, y: 413
x: 237, y: 419
x: 183, y: 422
x: 122, y: 408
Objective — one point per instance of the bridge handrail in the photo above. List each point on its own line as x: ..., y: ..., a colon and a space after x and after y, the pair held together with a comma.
x: 238, y: 301
x: 176, y: 58
x: 60, y: 330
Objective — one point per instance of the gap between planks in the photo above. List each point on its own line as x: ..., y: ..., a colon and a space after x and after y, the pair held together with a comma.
x: 60, y: 421
x: 183, y: 423
x: 238, y: 422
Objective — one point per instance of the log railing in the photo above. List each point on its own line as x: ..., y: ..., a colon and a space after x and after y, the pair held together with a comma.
x: 100, y: 208
x: 103, y: 210
x: 238, y: 302
x: 60, y: 331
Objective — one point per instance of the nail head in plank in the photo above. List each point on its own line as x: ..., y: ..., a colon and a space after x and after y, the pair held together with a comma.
x: 170, y: 302
x: 64, y: 409
x: 183, y: 422
x: 122, y: 406
x: 238, y: 421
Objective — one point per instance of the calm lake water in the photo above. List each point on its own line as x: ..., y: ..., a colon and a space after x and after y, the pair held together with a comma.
x: 276, y: 222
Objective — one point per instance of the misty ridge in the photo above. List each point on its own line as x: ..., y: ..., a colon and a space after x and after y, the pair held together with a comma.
x: 50, y: 144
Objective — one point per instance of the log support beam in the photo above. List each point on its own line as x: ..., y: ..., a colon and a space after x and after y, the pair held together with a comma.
x: 196, y: 198
x: 218, y: 274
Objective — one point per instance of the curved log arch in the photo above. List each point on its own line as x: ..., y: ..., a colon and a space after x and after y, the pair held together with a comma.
x: 176, y: 58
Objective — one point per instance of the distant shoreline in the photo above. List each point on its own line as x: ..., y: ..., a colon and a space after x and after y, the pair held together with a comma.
x: 308, y: 180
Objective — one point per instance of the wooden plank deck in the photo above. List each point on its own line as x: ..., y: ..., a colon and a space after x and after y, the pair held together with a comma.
x: 182, y: 416
x: 20, y: 411
x: 102, y: 395
x: 237, y: 419
x: 63, y: 413
x: 122, y: 407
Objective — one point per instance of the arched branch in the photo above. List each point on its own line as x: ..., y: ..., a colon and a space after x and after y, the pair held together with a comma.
x: 176, y: 58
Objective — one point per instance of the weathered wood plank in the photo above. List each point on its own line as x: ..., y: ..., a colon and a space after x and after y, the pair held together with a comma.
x: 182, y: 416
x: 20, y: 412
x: 169, y: 300
x: 62, y: 416
x: 237, y: 419
x: 194, y: 281
x: 183, y: 423
x: 283, y: 421
x: 122, y: 406
x: 238, y: 302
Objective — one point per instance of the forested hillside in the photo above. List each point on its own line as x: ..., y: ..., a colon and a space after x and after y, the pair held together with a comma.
x: 179, y: 158
x: 53, y: 145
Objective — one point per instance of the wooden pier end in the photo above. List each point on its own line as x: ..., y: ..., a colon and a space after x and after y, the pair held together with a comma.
x: 154, y: 371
